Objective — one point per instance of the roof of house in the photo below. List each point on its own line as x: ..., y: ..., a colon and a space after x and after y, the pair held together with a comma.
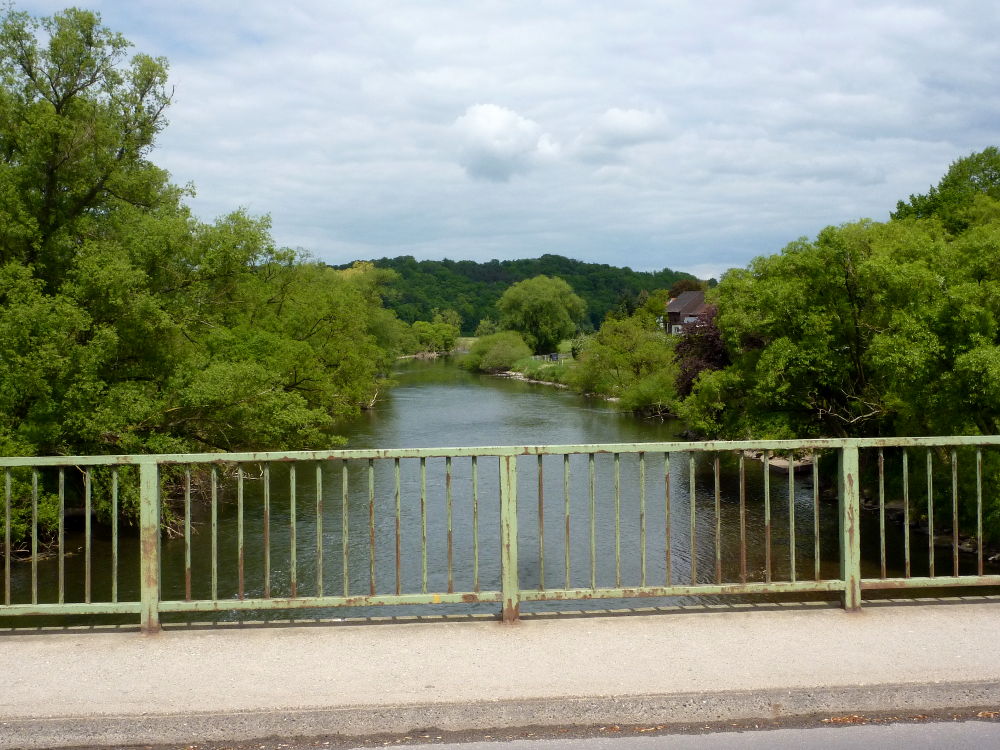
x: 688, y: 303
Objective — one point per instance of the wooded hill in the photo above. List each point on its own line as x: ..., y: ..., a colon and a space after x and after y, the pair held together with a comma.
x: 472, y: 289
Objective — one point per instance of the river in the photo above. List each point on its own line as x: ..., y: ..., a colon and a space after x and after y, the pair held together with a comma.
x: 436, y: 404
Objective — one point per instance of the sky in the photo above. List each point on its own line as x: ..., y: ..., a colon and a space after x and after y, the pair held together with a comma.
x: 687, y: 135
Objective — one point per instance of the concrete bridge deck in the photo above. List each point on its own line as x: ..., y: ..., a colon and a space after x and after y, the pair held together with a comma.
x: 75, y: 687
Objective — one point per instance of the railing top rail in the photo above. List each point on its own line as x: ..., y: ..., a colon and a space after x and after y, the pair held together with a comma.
x: 503, y: 450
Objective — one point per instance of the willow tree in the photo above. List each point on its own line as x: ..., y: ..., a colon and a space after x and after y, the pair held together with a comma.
x: 543, y: 309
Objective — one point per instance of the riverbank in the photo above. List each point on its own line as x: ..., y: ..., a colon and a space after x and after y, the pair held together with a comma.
x: 424, y: 355
x: 515, y: 375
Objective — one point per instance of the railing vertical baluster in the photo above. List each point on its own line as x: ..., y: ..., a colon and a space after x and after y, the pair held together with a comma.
x: 451, y: 542
x: 540, y: 476
x: 399, y: 526
x: 509, y: 584
x: 816, y: 550
x: 239, y: 530
x: 906, y: 514
x: 767, y: 516
x: 718, y: 519
x: 791, y: 516
x: 743, y: 519
x: 34, y: 536
x: 267, y: 531
x: 62, y: 535
x: 114, y: 533
x: 692, y: 511
x: 618, y: 520
x: 215, y: 534
x: 566, y: 511
x: 930, y: 512
x: 642, y: 520
x: 187, y: 533
x: 979, y: 510
x: 668, y: 578
x: 954, y: 512
x: 42, y: 479
x: 881, y: 511
x: 88, y: 536
x: 319, y: 529
x: 149, y: 546
x: 423, y: 524
x: 344, y: 529
x: 371, y: 526
x: 850, y: 529
x: 475, y: 524
x: 293, y: 547
x: 8, y: 498
x: 593, y: 515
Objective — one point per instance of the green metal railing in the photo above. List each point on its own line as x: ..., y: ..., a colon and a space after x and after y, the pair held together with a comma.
x: 288, y: 531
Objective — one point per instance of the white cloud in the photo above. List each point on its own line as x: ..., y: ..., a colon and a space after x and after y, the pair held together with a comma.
x: 693, y: 139
x: 621, y: 127
x: 612, y: 139
x: 498, y: 142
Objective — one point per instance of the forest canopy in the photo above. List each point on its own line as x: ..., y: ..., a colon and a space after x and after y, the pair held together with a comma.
x: 473, y: 289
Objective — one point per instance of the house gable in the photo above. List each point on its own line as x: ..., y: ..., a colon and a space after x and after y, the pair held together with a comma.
x: 685, y: 309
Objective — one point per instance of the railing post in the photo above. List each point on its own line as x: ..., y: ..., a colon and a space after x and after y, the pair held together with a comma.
x: 849, y: 495
x: 509, y: 586
x: 149, y: 546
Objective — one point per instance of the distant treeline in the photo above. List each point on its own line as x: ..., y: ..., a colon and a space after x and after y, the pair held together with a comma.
x: 472, y: 289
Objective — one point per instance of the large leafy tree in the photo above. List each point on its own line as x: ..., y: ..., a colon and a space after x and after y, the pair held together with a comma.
x: 543, y: 309
x: 127, y: 325
x: 952, y: 199
x: 870, y: 329
x: 630, y: 359
x: 77, y: 121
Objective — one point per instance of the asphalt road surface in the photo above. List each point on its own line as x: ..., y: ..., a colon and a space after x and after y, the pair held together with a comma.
x: 971, y: 735
x: 954, y: 731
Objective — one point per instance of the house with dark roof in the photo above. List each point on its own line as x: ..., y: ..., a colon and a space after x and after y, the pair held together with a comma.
x: 685, y: 309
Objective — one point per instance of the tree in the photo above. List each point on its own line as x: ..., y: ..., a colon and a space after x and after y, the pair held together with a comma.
x: 872, y: 329
x: 436, y: 336
x: 76, y: 123
x: 631, y: 359
x: 128, y: 326
x: 496, y: 352
x: 544, y: 310
x: 449, y: 316
x: 953, y: 197
x: 700, y: 349
x: 487, y: 327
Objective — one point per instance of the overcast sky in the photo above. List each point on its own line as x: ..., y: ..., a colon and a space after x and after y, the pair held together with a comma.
x: 689, y: 135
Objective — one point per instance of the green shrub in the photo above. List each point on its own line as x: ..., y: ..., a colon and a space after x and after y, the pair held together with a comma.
x: 496, y: 352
